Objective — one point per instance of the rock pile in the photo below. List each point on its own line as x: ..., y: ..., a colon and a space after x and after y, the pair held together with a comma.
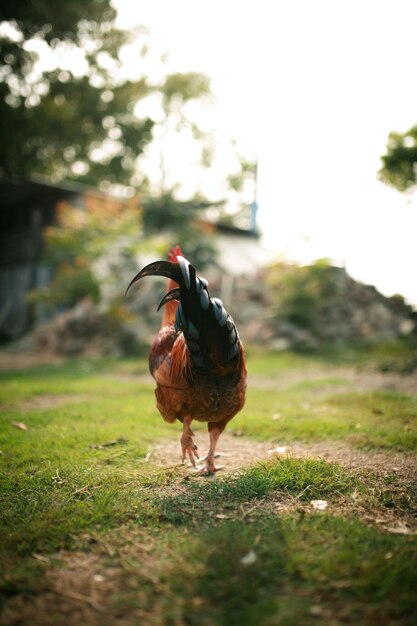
x: 344, y: 311
x: 84, y: 329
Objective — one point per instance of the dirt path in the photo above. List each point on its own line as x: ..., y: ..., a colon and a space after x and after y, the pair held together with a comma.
x: 236, y: 453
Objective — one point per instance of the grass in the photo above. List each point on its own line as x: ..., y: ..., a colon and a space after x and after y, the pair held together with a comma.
x: 77, y: 476
x: 302, y: 568
x: 304, y: 479
x: 307, y: 411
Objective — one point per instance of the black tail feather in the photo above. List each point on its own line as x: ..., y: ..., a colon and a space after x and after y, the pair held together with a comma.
x: 205, y: 323
x: 174, y: 294
x: 158, y: 268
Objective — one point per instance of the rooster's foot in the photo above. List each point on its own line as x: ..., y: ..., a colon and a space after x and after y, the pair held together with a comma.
x: 190, y: 449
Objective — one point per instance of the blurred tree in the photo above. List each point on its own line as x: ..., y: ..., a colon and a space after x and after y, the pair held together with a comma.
x: 399, y: 167
x: 67, y: 109
x: 179, y: 220
x: 243, y: 183
x: 177, y: 92
x: 88, y: 251
x: 61, y: 106
x: 247, y: 174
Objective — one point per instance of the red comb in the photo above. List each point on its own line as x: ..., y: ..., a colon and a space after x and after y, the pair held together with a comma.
x: 174, y: 253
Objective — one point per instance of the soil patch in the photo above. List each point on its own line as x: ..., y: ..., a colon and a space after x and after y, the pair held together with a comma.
x: 236, y: 453
x: 15, y: 361
x: 81, y: 588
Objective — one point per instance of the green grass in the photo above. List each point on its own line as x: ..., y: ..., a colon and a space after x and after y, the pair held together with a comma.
x: 302, y: 566
x: 308, y: 412
x: 299, y: 479
x: 79, y: 471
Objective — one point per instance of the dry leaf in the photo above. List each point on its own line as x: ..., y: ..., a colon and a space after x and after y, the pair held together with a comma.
x: 40, y: 557
x: 276, y: 416
x: 319, y: 505
x: 98, y: 578
x: 316, y: 610
x: 401, y: 529
x: 355, y: 494
x: 20, y: 425
x: 279, y: 450
x: 249, y: 559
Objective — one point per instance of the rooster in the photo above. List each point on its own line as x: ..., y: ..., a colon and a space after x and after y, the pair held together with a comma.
x: 197, y: 358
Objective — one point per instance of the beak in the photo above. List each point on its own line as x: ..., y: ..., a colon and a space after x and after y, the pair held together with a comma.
x: 174, y: 294
x: 158, y: 268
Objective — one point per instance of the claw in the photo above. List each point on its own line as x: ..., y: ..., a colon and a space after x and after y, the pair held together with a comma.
x: 187, y: 444
x: 190, y: 450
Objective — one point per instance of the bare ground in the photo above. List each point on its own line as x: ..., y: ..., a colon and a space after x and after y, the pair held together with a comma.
x: 13, y: 361
x: 236, y: 453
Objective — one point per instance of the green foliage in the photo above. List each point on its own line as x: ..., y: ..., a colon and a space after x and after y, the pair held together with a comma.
x: 164, y: 212
x: 75, y: 133
x: 81, y: 121
x: 185, y: 86
x: 71, y: 283
x: 399, y: 163
x: 52, y: 21
x: 247, y: 172
x: 67, y: 123
x: 302, y: 293
x: 179, y: 221
x: 77, y: 121
x: 81, y: 238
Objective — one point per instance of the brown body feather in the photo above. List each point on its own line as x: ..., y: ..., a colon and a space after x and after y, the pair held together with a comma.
x: 206, y: 395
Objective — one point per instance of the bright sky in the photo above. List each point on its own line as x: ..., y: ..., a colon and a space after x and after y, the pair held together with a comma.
x: 311, y: 89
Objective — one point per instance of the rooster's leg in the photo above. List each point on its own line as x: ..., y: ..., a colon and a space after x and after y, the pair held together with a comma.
x: 215, y: 430
x: 187, y: 444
